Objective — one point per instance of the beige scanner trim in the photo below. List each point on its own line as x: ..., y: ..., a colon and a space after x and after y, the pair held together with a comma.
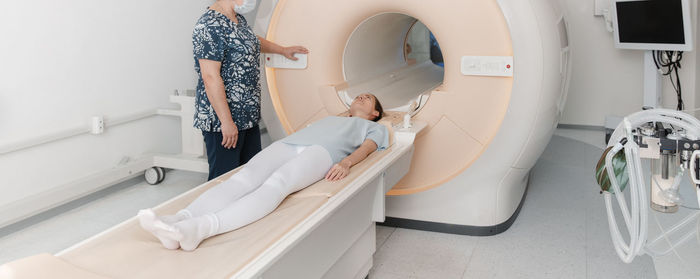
x: 464, y: 114
x: 270, y: 72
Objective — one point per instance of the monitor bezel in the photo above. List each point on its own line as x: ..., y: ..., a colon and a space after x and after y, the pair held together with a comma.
x: 687, y: 28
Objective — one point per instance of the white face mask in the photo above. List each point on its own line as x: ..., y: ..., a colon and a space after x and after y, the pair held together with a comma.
x: 247, y: 7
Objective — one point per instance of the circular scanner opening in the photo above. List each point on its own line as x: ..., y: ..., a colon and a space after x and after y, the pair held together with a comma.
x: 395, y: 57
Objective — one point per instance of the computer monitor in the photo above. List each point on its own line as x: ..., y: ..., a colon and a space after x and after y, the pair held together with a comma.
x: 652, y: 24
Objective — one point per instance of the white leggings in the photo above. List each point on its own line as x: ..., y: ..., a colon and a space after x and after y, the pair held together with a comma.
x: 262, y: 184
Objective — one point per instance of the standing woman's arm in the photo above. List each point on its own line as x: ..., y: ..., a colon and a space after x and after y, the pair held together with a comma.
x: 270, y: 47
x: 214, y: 86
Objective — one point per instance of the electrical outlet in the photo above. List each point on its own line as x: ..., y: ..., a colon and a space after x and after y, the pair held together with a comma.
x: 98, y: 125
x: 184, y: 92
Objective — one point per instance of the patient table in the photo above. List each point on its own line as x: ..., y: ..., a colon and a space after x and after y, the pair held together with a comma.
x: 326, y: 230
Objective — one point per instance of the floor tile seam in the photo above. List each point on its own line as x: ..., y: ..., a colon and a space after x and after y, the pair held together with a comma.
x: 386, y: 239
x: 474, y: 250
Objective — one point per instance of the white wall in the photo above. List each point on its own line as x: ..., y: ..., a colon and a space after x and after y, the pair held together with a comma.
x: 608, y: 81
x: 62, y: 62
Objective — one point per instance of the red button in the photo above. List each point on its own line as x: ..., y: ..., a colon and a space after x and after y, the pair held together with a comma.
x: 268, y: 59
x: 508, y: 66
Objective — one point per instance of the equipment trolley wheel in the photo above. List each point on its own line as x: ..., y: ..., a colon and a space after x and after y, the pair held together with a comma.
x: 154, y: 175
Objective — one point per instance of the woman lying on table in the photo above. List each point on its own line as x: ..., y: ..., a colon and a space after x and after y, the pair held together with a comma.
x: 325, y: 149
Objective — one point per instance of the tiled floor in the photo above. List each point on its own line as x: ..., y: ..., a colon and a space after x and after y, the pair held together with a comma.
x: 592, y: 137
x: 561, y: 231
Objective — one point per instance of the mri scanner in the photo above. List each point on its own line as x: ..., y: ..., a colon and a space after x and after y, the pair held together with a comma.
x: 464, y: 137
x: 486, y: 126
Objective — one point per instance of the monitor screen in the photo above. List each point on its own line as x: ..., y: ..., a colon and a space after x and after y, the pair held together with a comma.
x: 650, y: 22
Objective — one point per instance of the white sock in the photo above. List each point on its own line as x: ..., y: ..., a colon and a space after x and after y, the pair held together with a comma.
x: 163, y: 231
x: 172, y: 219
x: 194, y: 230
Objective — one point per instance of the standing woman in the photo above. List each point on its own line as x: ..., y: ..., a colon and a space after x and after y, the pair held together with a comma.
x: 227, y: 104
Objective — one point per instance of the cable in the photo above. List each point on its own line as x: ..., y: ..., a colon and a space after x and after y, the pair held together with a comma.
x: 668, y: 63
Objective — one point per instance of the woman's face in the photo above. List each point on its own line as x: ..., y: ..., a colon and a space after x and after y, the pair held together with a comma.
x: 363, y: 106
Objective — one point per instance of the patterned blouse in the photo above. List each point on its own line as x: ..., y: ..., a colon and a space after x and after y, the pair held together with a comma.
x: 217, y: 38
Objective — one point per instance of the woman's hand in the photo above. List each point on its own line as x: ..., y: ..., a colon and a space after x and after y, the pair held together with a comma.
x: 290, y: 51
x: 338, y: 171
x: 229, y: 131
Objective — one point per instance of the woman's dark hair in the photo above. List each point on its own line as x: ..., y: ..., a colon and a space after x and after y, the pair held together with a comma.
x: 378, y: 107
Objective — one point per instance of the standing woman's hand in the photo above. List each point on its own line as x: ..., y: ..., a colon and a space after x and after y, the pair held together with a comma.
x: 229, y: 133
x: 290, y: 51
x: 214, y: 87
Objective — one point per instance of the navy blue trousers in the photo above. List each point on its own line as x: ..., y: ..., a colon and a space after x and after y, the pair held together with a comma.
x: 222, y: 160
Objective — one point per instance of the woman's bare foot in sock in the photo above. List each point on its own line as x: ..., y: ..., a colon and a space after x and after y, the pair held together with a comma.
x: 166, y: 233
x: 195, y: 230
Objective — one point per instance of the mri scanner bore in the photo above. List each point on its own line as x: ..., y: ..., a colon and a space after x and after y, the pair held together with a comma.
x: 404, y: 70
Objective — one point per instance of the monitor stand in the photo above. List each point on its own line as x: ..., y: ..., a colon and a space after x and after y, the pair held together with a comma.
x: 652, y: 82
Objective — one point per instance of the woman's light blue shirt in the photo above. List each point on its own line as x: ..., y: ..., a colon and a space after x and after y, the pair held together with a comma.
x: 340, y: 135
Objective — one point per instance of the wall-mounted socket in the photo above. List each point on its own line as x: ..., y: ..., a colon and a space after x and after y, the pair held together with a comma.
x: 98, y: 125
x: 185, y: 92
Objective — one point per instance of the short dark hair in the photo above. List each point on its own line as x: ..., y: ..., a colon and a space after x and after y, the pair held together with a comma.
x: 378, y: 107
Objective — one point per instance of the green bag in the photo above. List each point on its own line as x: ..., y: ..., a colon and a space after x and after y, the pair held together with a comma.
x: 619, y: 167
